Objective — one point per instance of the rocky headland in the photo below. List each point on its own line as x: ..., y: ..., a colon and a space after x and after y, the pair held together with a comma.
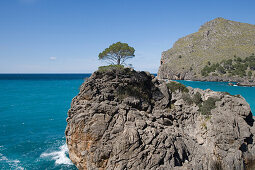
x: 123, y: 119
x: 221, y: 50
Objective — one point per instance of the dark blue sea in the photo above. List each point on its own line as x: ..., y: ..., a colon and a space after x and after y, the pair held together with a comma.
x: 33, y: 111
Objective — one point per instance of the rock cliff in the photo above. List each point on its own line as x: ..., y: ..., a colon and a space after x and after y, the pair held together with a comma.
x: 123, y: 119
x: 215, y: 42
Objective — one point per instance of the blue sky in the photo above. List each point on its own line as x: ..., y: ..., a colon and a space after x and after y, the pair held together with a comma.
x: 64, y: 36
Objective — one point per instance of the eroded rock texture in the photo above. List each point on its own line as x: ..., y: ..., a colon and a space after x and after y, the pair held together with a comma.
x: 123, y: 119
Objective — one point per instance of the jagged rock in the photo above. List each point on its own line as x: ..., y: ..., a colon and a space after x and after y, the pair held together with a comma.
x: 130, y: 120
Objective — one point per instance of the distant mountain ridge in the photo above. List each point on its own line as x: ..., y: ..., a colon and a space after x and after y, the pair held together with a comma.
x: 215, y: 41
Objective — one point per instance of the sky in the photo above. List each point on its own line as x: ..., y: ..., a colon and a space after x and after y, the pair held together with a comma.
x: 66, y: 36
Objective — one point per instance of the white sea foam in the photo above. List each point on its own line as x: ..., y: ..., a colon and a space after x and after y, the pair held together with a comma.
x: 14, y: 164
x: 60, y: 156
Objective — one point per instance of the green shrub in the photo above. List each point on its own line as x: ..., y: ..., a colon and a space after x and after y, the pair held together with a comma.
x: 197, y: 98
x: 186, y: 97
x: 227, y: 93
x: 249, y: 74
x: 174, y: 86
x: 221, y: 70
x: 228, y: 64
x: 206, y: 107
x: 204, y: 73
x: 110, y: 67
x: 236, y: 67
x: 132, y: 90
x: 252, y: 65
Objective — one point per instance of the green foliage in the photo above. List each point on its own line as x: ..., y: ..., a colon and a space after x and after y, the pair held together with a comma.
x: 110, y: 67
x: 227, y: 93
x: 197, y: 98
x: 208, y: 69
x: 174, y: 86
x: 227, y: 44
x: 252, y: 66
x: 239, y: 59
x: 206, y: 107
x: 227, y: 64
x: 180, y: 56
x: 132, y: 90
x: 186, y: 97
x: 221, y: 70
x: 249, y: 74
x: 236, y: 67
x: 117, y: 53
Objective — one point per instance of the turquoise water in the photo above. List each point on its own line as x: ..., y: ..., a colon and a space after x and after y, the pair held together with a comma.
x: 33, y: 111
x: 33, y: 115
x: 247, y: 92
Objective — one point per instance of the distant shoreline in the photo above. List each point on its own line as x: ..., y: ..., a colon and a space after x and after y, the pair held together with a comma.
x: 230, y: 83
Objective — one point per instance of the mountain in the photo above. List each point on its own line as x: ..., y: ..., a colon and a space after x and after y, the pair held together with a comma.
x: 124, y: 119
x: 216, y: 42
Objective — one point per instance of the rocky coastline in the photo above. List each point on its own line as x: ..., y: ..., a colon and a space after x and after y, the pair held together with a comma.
x: 221, y: 50
x: 167, y: 74
x: 123, y: 119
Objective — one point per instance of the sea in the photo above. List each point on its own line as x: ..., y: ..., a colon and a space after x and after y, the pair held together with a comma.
x: 33, y: 112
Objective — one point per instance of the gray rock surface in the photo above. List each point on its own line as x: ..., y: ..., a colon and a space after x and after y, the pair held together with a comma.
x: 133, y: 121
x: 246, y: 83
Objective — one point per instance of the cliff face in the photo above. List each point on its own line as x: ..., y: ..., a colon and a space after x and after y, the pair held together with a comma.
x: 216, y: 40
x: 123, y: 119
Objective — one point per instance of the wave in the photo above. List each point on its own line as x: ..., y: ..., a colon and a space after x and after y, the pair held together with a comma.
x: 13, y: 164
x: 60, y: 156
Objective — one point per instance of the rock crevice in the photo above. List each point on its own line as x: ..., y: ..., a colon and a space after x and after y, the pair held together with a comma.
x: 131, y: 120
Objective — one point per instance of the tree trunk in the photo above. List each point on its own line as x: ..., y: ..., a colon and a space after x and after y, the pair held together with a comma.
x: 117, y: 71
x: 118, y: 61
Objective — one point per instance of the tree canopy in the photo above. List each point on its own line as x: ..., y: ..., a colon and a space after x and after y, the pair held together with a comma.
x: 117, y: 53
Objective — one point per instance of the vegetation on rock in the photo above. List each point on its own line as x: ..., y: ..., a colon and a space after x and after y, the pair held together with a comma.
x: 186, y: 97
x: 111, y: 126
x: 117, y: 53
x: 110, y: 67
x: 237, y: 67
x: 206, y: 106
x: 216, y: 40
x: 197, y: 98
x: 132, y: 91
x: 174, y: 86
